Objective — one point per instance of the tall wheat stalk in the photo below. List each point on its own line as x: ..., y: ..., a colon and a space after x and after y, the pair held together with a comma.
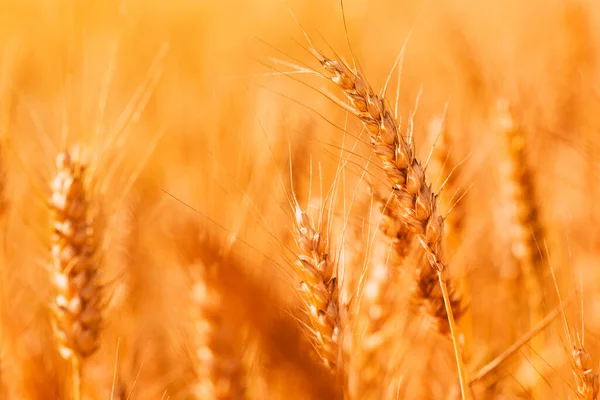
x: 417, y: 203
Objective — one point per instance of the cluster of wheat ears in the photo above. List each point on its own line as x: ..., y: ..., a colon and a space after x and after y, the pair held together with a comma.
x: 363, y: 243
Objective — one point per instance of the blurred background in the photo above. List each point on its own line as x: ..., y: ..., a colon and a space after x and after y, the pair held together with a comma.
x: 192, y: 113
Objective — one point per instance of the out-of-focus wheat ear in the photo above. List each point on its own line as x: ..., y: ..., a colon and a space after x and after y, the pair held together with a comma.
x: 525, y: 228
x: 418, y: 205
x: 442, y: 170
x: 77, y: 305
x: 426, y: 295
x: 316, y: 267
x: 376, y: 305
x: 218, y: 367
x: 392, y: 226
x: 526, y: 231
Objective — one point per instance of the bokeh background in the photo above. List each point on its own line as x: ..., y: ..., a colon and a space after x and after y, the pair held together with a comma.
x: 192, y: 113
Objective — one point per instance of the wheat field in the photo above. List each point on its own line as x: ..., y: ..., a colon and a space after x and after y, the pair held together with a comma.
x: 299, y: 200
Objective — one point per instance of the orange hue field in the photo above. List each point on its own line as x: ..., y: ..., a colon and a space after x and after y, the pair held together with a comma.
x: 231, y: 232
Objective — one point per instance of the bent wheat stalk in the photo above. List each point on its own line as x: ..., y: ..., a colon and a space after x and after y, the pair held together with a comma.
x: 77, y: 303
x: 417, y: 203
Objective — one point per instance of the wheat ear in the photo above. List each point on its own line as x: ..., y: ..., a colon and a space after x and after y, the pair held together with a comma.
x: 587, y: 385
x: 218, y: 369
x: 417, y: 203
x: 370, y: 352
x: 426, y: 294
x: 392, y: 226
x: 77, y: 303
x: 316, y: 268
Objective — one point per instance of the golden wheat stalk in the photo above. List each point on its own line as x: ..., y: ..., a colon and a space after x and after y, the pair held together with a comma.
x: 417, y: 203
x: 316, y: 268
x: 77, y: 303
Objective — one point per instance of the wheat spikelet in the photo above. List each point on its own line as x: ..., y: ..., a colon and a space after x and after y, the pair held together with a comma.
x: 316, y: 268
x: 417, y: 203
x: 217, y: 367
x: 77, y: 304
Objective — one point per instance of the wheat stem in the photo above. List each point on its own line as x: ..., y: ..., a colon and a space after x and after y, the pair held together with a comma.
x: 522, y: 341
x: 76, y: 377
x: 454, y: 334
